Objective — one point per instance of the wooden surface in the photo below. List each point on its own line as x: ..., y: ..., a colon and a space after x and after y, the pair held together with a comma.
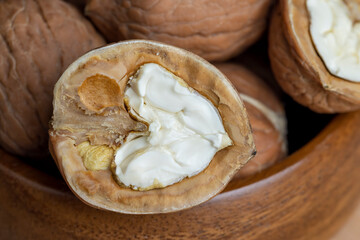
x: 307, y: 196
x: 351, y: 229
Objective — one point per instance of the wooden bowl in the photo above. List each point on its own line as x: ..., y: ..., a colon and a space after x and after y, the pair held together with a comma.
x: 306, y: 196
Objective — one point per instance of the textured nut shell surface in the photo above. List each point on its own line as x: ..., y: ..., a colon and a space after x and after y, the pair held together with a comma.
x: 98, y: 188
x: 39, y: 39
x: 214, y: 29
x: 298, y: 68
x: 270, y: 142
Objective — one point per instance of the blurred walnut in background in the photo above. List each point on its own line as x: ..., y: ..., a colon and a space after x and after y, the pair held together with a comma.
x: 266, y: 115
x: 318, y: 70
x: 39, y: 39
x: 215, y: 30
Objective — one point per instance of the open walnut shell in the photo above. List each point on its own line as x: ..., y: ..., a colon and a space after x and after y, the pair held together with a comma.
x: 77, y: 119
x: 214, y: 29
x: 299, y: 69
x: 266, y: 115
x: 39, y: 39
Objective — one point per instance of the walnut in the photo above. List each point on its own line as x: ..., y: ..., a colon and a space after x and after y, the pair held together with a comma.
x: 161, y: 106
x: 266, y: 115
x: 216, y: 30
x: 299, y: 69
x: 39, y: 39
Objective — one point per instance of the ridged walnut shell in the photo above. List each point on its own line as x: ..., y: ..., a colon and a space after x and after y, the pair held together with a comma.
x: 299, y: 69
x: 39, y: 39
x: 266, y: 115
x: 73, y: 122
x: 214, y: 29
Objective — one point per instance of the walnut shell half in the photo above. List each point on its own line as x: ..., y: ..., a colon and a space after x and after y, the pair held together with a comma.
x: 107, y: 122
x: 266, y: 115
x: 299, y: 69
x: 214, y: 29
x: 39, y: 39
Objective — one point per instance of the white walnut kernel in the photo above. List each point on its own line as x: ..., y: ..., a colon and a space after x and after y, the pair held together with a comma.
x: 335, y: 31
x: 185, y: 131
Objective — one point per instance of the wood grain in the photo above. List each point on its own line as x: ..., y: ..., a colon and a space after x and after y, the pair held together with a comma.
x: 350, y: 230
x: 307, y: 196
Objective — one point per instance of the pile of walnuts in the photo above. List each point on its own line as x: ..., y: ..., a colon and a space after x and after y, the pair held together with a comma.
x: 41, y: 38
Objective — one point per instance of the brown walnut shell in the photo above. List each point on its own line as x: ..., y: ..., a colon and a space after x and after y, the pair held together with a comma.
x: 76, y: 120
x: 214, y: 29
x: 266, y: 115
x: 39, y: 39
x: 299, y: 69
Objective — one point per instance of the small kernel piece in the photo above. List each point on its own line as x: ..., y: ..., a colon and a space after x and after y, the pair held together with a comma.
x: 95, y: 157
x: 98, y: 92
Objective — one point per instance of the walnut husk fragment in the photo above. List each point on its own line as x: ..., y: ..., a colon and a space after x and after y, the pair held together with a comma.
x: 75, y: 122
x: 39, y: 39
x: 214, y: 29
x: 298, y: 68
x: 266, y: 115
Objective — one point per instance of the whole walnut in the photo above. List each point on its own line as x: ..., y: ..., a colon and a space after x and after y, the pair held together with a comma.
x: 214, y: 29
x: 39, y: 39
x: 266, y: 115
